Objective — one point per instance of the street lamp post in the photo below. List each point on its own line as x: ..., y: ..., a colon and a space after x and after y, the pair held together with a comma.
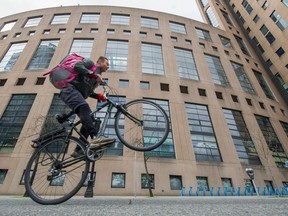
x: 250, y: 173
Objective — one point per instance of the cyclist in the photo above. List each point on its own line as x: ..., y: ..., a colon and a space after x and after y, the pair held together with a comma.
x: 79, y: 90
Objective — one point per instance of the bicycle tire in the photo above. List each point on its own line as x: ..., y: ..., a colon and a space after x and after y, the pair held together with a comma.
x: 148, y: 136
x: 49, y: 182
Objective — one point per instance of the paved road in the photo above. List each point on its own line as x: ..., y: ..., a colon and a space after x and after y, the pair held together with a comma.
x: 126, y: 206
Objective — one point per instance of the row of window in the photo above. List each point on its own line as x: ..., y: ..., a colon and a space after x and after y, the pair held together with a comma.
x: 145, y: 85
x: 203, y: 137
x: 93, y: 18
x: 152, y: 61
x: 118, y: 180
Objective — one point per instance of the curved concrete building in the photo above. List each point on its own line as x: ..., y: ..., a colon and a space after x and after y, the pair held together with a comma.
x: 226, y: 113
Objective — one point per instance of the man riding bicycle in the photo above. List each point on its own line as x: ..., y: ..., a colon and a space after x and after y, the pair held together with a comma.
x: 76, y: 93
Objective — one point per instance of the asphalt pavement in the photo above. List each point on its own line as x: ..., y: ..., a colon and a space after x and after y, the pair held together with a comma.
x: 146, y: 206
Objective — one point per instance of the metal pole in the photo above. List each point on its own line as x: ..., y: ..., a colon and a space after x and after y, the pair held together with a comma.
x: 254, y: 185
x: 135, y: 173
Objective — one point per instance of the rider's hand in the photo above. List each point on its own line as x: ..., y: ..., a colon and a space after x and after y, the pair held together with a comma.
x: 101, y: 98
x: 93, y: 75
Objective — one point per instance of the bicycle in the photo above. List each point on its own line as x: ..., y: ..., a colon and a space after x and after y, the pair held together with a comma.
x: 53, y: 175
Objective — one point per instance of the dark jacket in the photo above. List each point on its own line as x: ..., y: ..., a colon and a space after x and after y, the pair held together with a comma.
x: 83, y: 83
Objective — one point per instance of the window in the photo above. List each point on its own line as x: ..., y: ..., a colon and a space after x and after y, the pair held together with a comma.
x: 3, y: 82
x: 280, y: 22
x: 204, y: 2
x: 117, y: 54
x: 219, y: 95
x: 247, y: 6
x: 177, y: 27
x: 3, y: 173
x: 242, y: 20
x: 269, y: 184
x: 8, y: 26
x: 264, y: 85
x: 216, y: 69
x: 211, y: 17
x: 202, y: 183
x: 249, y: 101
x: 186, y: 64
x: 148, y: 22
x: 120, y: 19
x: 202, y: 92
x: 78, y: 30
x: 227, y: 18
x: 234, y: 98
x: 62, y: 31
x: 40, y: 81
x: 31, y: 33
x: 17, y: 34
x: 13, y: 119
x: 124, y: 83
x: 202, y: 133
x: 60, y: 19
x: 144, y: 85
x: 143, y: 34
x: 20, y: 81
x: 227, y: 183
x: 243, y: 78
x: 110, y: 31
x: 147, y: 179
x: 46, y: 31
x: 280, y: 52
x: 34, y: 21
x: 93, y: 30
x: 88, y: 18
x: 152, y: 59
x: 272, y: 141
x: 43, y: 55
x: 265, y: 5
x: 175, y: 182
x: 268, y: 35
x: 242, y: 140
x: 118, y: 180
x: 256, y: 18
x: 166, y: 150
x: 188, y: 42
x: 126, y: 32
x: 82, y: 47
x: 184, y: 89
x: 117, y: 148
x: 158, y: 36
x: 164, y: 87
x: 173, y: 39
x: 258, y: 44
x: 226, y: 42
x: 261, y: 105
x: 12, y: 56
x: 242, y: 45
x: 285, y: 2
x: 203, y: 34
x: 285, y: 127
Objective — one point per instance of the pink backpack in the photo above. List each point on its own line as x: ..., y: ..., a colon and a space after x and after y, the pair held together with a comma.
x: 63, y: 73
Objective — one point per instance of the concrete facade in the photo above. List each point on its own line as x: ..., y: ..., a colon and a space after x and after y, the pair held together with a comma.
x: 184, y: 164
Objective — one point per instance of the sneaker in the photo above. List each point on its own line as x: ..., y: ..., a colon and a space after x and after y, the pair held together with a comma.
x: 101, y: 142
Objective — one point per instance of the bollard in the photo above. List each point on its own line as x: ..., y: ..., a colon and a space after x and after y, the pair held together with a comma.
x: 190, y: 191
x: 275, y: 191
x: 269, y: 190
x: 218, y: 191
x: 197, y: 191
x: 281, y: 191
x: 204, y: 191
x: 225, y: 191
x: 286, y: 191
x: 257, y: 190
x: 211, y: 191
x: 245, y: 191
x: 263, y: 191
x: 238, y: 191
x: 251, y: 191
x: 182, y: 193
x: 231, y: 191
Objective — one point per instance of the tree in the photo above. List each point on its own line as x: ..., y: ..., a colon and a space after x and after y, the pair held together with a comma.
x: 146, y: 157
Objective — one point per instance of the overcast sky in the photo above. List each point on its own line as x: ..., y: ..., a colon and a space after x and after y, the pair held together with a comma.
x: 186, y: 8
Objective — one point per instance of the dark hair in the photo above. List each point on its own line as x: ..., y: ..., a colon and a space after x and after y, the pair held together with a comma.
x: 102, y: 59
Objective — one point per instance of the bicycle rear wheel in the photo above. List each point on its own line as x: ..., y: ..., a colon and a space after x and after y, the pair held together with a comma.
x: 150, y: 129
x: 52, y: 176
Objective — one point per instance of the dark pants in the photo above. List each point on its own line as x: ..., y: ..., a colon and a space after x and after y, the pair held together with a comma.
x: 74, y: 99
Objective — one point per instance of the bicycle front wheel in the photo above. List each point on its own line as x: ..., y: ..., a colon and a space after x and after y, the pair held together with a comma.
x: 52, y: 175
x: 143, y: 126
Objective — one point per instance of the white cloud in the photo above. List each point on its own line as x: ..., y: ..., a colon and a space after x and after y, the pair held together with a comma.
x: 186, y: 8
